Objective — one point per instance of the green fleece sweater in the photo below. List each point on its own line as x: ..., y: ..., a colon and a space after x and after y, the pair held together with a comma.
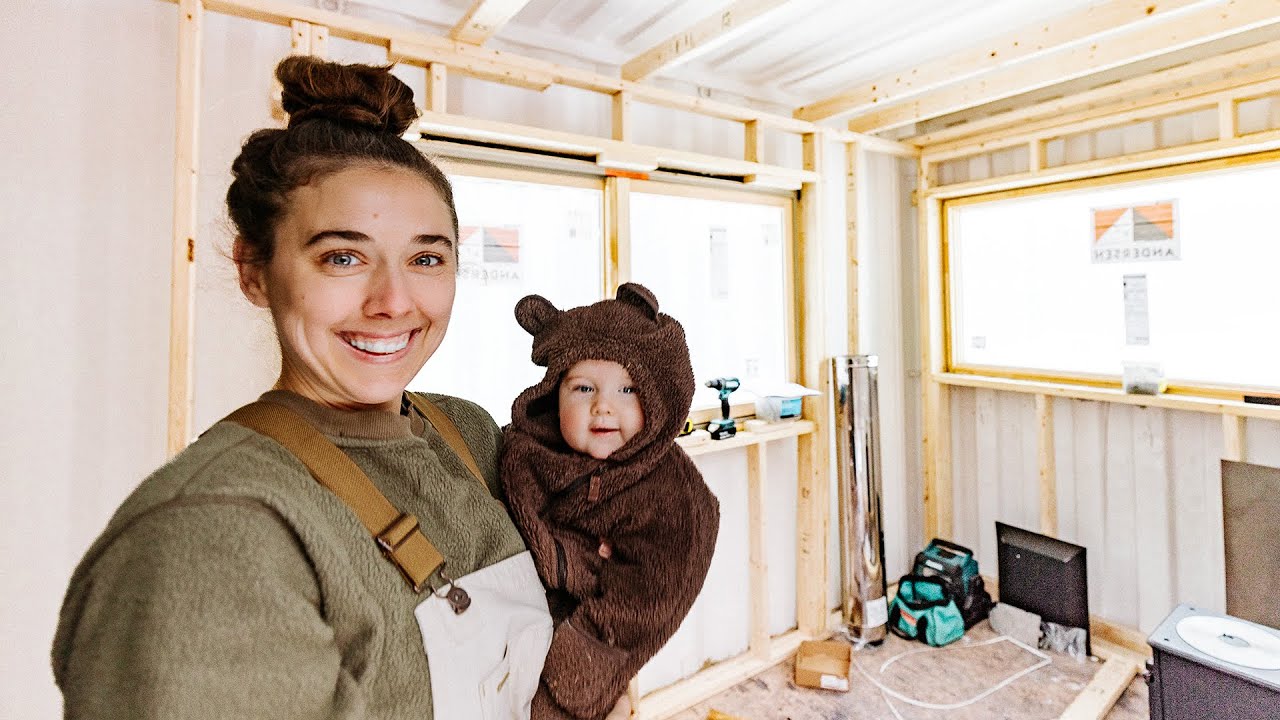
x: 231, y: 584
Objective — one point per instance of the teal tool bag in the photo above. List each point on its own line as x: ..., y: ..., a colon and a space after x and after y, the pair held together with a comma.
x: 958, y: 569
x: 925, y: 610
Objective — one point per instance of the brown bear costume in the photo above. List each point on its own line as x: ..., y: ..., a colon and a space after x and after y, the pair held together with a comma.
x: 647, y: 500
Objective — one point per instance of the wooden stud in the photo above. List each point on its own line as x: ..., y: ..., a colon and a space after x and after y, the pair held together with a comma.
x: 437, y: 87
x: 1133, y: 43
x: 1113, y: 118
x: 186, y: 176
x: 486, y: 69
x: 1197, y: 78
x: 1102, y: 692
x: 852, y: 195
x: 484, y: 19
x: 319, y: 41
x: 873, y: 143
x: 813, y: 490
x: 1020, y: 45
x: 943, y: 490
x: 617, y: 191
x: 1228, y: 126
x: 1048, y: 466
x: 705, y: 35
x: 1035, y: 156
x: 936, y: 437
x: 757, y: 543
x: 1128, y: 165
x: 754, y: 151
x: 621, y: 115
x: 1233, y: 444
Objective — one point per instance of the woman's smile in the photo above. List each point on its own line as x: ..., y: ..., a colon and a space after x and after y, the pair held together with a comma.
x: 380, y: 347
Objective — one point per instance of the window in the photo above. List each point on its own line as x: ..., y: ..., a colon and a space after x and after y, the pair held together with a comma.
x: 1076, y: 279
x: 719, y: 263
x: 520, y: 233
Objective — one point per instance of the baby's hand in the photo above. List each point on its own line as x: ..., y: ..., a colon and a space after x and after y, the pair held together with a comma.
x: 621, y: 711
x: 606, y: 550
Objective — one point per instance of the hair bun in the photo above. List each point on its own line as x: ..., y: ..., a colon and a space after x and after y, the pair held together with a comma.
x: 362, y: 95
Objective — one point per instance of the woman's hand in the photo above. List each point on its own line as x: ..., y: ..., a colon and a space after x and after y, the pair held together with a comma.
x: 621, y: 711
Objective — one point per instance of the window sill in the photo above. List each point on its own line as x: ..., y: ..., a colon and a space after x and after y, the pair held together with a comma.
x: 794, y: 428
x: 1080, y: 392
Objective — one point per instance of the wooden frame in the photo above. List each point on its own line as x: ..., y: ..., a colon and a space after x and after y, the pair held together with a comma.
x: 186, y: 171
x: 1137, y: 31
x: 1020, y: 45
x: 1209, y: 390
x: 484, y: 19
x: 703, y: 36
x: 1221, y: 98
x: 1121, y: 647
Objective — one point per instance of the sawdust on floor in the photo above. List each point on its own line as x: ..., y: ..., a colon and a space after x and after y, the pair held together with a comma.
x: 941, y: 676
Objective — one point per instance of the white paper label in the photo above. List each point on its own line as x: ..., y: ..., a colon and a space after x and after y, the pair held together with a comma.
x: 831, y: 682
x: 876, y: 613
x: 1137, y: 329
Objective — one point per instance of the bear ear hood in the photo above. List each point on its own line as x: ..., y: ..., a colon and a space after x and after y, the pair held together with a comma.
x: 639, y: 296
x: 629, y: 330
x: 536, y: 314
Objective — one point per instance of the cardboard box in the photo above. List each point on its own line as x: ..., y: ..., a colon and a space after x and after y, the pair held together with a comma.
x: 824, y: 664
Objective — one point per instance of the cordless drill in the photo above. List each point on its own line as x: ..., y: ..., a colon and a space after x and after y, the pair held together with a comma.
x: 723, y: 427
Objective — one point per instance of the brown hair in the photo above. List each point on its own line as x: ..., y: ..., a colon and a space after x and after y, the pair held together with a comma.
x: 339, y: 115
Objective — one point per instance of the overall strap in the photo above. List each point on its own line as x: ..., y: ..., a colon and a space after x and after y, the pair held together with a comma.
x: 448, y: 431
x: 395, y: 532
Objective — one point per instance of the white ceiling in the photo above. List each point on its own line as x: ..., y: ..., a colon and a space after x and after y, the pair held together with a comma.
x: 805, y: 51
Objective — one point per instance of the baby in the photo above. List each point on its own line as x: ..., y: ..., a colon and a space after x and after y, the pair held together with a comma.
x: 617, y: 517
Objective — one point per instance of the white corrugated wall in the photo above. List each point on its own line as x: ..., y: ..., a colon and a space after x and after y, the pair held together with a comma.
x: 1139, y: 487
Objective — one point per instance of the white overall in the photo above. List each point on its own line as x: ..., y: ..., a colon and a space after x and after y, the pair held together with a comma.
x: 486, y: 661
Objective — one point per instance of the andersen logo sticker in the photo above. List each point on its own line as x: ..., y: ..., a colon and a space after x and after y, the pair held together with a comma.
x: 1137, y: 233
x: 489, y: 254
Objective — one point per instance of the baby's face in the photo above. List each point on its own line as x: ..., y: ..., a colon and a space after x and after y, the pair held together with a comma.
x: 599, y: 408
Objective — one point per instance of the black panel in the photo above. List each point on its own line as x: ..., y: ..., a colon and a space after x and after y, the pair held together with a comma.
x: 1043, y: 575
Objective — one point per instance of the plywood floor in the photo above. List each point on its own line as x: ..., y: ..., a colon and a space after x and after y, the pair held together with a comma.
x: 961, y: 671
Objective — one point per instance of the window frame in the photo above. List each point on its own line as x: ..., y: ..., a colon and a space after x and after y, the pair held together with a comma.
x: 787, y: 202
x: 615, y: 269
x: 1212, y: 390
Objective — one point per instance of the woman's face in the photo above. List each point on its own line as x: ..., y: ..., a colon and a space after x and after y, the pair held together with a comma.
x: 360, y: 285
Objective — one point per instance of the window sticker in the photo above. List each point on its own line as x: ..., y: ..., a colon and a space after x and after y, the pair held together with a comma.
x: 1136, y: 233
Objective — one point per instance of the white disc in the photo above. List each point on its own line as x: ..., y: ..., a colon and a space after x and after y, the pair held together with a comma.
x: 1234, y: 641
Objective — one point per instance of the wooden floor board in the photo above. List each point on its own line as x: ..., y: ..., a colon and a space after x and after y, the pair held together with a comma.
x: 1040, y: 695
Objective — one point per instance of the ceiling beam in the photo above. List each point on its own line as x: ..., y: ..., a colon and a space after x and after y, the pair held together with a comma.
x: 1018, y: 47
x: 1240, y: 67
x: 705, y: 35
x: 1133, y: 43
x: 484, y: 19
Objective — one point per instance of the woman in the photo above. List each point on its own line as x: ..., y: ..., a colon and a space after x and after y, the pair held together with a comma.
x: 231, y: 583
